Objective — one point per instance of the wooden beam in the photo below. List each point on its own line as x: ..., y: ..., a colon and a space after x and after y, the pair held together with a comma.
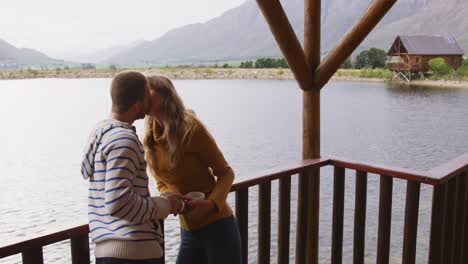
x: 311, y: 125
x: 287, y: 41
x: 312, y: 37
x: 352, y: 40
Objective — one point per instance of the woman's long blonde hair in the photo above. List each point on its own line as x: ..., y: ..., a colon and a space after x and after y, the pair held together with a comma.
x: 176, y: 120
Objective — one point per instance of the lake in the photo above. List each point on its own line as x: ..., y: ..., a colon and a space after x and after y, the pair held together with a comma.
x: 257, y: 124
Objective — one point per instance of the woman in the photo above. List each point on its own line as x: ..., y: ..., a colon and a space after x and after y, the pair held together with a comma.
x: 183, y: 157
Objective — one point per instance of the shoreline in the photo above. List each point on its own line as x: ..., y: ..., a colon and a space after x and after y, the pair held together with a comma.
x: 218, y: 74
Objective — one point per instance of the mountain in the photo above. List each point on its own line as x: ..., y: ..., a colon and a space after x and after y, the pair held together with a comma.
x: 12, y: 57
x: 101, y: 56
x: 242, y: 32
x: 435, y: 17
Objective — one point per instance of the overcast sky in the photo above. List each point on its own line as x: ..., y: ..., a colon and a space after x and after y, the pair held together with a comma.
x: 68, y: 28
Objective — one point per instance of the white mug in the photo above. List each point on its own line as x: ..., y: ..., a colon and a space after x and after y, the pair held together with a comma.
x: 196, y: 195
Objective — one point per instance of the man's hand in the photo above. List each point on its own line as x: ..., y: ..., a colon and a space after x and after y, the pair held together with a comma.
x: 200, y: 208
x: 176, y: 200
x: 177, y: 204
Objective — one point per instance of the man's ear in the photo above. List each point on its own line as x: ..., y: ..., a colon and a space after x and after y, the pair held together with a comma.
x: 135, y: 107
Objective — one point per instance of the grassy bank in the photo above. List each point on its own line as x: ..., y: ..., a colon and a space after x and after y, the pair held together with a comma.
x: 188, y: 73
x: 455, y: 79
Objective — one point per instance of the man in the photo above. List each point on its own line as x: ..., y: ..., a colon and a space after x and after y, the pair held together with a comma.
x: 123, y: 217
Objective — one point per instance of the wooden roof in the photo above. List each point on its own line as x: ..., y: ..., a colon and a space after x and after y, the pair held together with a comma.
x: 426, y: 45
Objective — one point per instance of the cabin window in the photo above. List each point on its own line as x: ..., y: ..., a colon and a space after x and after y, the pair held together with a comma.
x: 418, y: 59
x: 405, y: 59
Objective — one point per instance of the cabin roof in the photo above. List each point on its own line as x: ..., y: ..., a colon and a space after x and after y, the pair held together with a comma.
x: 427, y: 45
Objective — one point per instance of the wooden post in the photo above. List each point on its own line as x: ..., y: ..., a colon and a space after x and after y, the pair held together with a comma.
x: 80, y: 249
x: 351, y: 40
x: 287, y: 41
x: 360, y: 217
x: 264, y: 223
x: 284, y: 220
x: 33, y: 256
x: 338, y: 215
x: 436, y: 241
x: 242, y: 216
x: 411, y: 222
x: 311, y: 125
x: 385, y: 220
x: 311, y: 76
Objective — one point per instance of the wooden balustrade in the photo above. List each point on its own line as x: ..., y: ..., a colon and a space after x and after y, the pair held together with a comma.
x: 448, y: 232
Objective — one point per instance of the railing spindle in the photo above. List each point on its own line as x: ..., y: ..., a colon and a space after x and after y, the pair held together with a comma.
x: 264, y: 223
x: 301, y: 227
x: 242, y: 216
x: 33, y: 256
x: 385, y: 219
x: 338, y: 213
x: 411, y: 222
x: 80, y: 249
x: 464, y: 240
x: 436, y: 242
x: 460, y: 218
x: 360, y: 217
x: 284, y: 220
x: 450, y: 214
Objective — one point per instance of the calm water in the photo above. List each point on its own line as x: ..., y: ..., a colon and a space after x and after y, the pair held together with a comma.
x: 257, y: 125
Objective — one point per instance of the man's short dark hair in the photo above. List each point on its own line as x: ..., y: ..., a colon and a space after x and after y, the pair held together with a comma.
x: 127, y: 88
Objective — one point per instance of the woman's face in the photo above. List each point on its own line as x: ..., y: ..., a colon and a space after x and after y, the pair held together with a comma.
x: 156, y: 104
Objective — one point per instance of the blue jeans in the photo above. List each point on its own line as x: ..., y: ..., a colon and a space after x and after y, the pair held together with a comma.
x: 128, y: 261
x: 213, y: 244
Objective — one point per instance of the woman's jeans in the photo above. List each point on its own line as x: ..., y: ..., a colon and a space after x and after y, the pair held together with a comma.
x: 217, y: 243
x: 127, y: 261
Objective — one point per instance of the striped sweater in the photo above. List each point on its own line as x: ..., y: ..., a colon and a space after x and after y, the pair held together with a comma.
x: 123, y: 217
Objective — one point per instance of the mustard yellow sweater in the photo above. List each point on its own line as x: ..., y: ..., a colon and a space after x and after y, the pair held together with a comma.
x: 201, y: 168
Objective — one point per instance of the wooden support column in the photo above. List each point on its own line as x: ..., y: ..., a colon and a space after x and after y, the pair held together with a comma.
x: 312, y: 76
x: 351, y: 40
x: 287, y: 41
x: 311, y: 125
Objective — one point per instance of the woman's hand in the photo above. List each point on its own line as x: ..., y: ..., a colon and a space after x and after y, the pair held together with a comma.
x: 199, y: 208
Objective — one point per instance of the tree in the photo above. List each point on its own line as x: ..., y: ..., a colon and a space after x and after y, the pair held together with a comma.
x: 88, y: 66
x: 282, y: 63
x: 225, y: 65
x: 268, y: 63
x: 246, y: 64
x: 465, y: 62
x: 371, y: 58
x: 440, y: 67
x: 347, y: 64
x: 113, y: 67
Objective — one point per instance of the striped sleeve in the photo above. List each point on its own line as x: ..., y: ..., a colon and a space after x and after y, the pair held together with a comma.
x: 121, y: 198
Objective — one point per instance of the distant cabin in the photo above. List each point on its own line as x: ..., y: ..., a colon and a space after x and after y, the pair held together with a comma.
x: 411, y: 54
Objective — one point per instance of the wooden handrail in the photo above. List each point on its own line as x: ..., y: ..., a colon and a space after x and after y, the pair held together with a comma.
x: 436, y: 176
x: 41, y: 241
x: 394, y: 172
x: 450, y: 169
x: 279, y: 172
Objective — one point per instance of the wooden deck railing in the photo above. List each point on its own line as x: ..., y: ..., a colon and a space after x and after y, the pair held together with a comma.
x: 449, y: 220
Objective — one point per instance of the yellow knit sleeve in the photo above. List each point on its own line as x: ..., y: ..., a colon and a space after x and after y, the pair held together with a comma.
x: 209, y: 153
x: 160, y: 184
x: 162, y: 187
